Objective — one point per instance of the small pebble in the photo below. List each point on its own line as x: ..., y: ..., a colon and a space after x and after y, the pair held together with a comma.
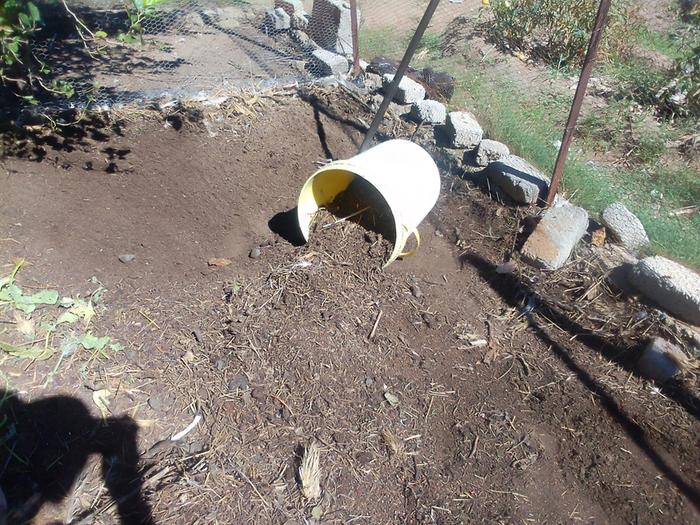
x: 416, y: 291
x: 127, y: 258
x: 363, y: 458
x: 255, y: 253
x: 155, y: 403
x: 238, y: 382
x: 259, y: 394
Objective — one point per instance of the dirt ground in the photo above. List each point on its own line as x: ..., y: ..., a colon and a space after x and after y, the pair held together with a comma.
x: 439, y: 390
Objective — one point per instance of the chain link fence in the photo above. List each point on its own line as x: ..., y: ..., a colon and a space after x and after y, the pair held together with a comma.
x: 107, y: 52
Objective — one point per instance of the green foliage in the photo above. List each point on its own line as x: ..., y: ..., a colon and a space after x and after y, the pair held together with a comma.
x: 431, y: 43
x: 139, y: 11
x: 557, y: 31
x: 686, y: 72
x: 531, y: 128
x: 18, y: 21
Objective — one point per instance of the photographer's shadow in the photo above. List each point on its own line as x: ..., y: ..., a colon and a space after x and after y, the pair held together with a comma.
x: 44, y: 448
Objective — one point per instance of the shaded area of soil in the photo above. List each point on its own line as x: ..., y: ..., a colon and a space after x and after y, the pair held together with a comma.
x: 439, y: 390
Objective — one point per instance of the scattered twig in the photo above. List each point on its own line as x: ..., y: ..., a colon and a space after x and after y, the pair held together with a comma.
x: 376, y: 324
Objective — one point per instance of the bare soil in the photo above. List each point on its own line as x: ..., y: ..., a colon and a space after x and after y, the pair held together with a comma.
x: 439, y: 390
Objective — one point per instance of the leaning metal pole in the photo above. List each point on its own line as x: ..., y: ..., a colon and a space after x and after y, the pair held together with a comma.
x: 588, y: 61
x: 391, y: 91
x: 355, y: 39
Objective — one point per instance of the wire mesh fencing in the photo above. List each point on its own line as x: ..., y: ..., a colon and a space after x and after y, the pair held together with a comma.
x: 106, y: 52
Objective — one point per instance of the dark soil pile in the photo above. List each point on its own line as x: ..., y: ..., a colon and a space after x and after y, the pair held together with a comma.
x: 439, y: 390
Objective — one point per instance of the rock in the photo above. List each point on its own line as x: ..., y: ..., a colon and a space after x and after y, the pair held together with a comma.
x: 619, y: 277
x: 373, y: 82
x: 429, y: 111
x: 463, y: 130
x: 416, y: 291
x: 438, y: 84
x: 330, y: 25
x: 661, y: 360
x: 259, y: 394
x: 409, y: 90
x: 303, y: 40
x: 670, y: 285
x: 489, y: 151
x: 277, y: 19
x: 155, y: 403
x: 295, y: 10
x: 553, y: 239
x: 291, y: 7
x: 399, y: 109
x: 325, y: 63
x: 625, y: 227
x: 519, y: 179
x: 127, y: 258
x: 239, y: 382
x: 382, y: 65
x: 255, y: 253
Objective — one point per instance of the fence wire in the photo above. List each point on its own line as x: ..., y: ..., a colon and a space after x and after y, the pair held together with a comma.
x: 114, y: 52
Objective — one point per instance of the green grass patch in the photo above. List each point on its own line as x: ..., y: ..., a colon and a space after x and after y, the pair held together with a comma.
x: 664, y: 43
x: 383, y: 41
x: 532, y: 128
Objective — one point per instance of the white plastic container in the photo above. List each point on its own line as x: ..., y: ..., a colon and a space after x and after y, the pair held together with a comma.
x: 401, y: 171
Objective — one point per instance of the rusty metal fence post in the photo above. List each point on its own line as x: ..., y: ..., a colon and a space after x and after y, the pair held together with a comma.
x: 355, y: 39
x: 588, y: 61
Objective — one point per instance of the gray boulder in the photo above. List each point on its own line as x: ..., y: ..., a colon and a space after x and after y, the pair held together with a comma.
x: 408, y: 92
x: 489, y: 151
x: 625, y: 227
x: 295, y: 10
x: 373, y: 82
x: 429, y: 111
x: 463, y: 130
x: 560, y: 229
x: 670, y: 285
x: 325, y: 63
x: 303, y: 40
x: 277, y: 20
x: 519, y: 179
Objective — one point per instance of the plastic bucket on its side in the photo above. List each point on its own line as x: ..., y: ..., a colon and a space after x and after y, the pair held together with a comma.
x: 403, y: 173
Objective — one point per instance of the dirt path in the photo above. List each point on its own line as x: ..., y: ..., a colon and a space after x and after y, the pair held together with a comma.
x: 417, y: 419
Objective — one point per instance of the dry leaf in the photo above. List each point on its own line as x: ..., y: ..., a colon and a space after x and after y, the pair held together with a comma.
x: 25, y: 325
x: 101, y: 400
x: 598, y: 237
x: 392, y: 399
x: 218, y: 261
x: 310, y: 472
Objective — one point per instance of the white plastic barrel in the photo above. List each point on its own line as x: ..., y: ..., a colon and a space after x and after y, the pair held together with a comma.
x: 401, y: 171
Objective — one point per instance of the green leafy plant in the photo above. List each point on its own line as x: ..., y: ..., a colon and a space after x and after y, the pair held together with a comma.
x: 18, y: 21
x: 557, y: 31
x: 681, y: 96
x: 138, y: 11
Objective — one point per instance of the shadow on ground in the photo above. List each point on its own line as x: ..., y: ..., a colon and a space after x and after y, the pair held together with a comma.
x: 513, y: 290
x: 45, y: 448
